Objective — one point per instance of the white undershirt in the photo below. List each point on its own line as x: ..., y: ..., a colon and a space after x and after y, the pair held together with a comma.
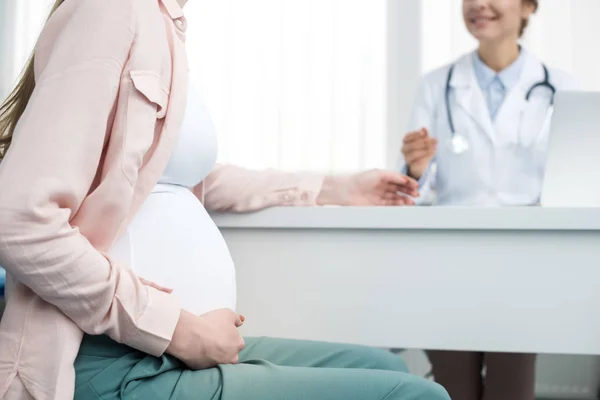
x: 172, y: 240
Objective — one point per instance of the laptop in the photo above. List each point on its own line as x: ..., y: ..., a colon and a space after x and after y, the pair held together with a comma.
x: 572, y: 175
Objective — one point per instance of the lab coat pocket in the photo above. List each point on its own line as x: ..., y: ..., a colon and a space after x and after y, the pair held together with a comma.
x: 457, y: 172
x: 147, y: 103
x: 530, y: 151
x: 521, y: 170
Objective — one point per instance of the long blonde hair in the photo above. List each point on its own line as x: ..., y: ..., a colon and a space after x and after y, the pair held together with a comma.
x: 14, y: 106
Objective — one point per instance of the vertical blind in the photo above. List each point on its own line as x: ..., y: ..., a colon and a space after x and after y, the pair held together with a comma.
x: 293, y: 84
x: 19, y: 27
x: 301, y: 84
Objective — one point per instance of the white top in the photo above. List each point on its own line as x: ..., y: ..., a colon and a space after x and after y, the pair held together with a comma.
x: 172, y: 240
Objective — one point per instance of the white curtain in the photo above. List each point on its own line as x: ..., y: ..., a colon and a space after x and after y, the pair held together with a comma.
x: 293, y: 84
x: 301, y: 84
x: 20, y: 24
x: 564, y: 34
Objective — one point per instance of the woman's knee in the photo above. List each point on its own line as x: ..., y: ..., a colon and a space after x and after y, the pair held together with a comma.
x: 375, y: 358
x: 417, y: 388
x: 434, y: 391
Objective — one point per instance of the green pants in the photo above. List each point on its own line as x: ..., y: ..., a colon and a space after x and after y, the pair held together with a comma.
x: 269, y: 369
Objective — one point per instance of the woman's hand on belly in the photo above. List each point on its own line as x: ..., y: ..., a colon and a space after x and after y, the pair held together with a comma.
x: 207, y: 340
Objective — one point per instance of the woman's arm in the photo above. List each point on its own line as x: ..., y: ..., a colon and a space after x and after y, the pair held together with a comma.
x: 51, y: 167
x: 231, y: 188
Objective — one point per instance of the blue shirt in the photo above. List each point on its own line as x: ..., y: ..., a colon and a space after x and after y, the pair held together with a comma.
x: 495, y: 85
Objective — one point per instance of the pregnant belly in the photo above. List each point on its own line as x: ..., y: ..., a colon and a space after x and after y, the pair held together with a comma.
x: 174, y: 242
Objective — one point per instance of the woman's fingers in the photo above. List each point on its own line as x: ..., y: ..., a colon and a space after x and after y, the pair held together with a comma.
x: 239, y: 321
x: 395, y: 199
x: 402, y: 191
x: 398, y: 179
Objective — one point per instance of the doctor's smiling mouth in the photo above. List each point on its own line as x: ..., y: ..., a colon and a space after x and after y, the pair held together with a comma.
x: 490, y: 20
x: 481, y: 19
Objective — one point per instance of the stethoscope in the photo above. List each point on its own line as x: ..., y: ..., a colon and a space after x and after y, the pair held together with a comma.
x: 459, y: 143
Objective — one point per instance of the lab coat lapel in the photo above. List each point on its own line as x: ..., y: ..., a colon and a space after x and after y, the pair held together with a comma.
x: 469, y: 97
x: 517, y: 118
x: 509, y: 120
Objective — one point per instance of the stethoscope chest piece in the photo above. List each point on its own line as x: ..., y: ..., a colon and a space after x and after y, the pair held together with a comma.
x: 459, y: 144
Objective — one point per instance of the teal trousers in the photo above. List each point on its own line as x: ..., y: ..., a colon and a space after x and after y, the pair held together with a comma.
x: 269, y: 369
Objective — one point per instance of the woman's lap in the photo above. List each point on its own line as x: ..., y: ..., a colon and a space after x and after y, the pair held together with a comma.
x: 268, y: 369
x: 301, y: 353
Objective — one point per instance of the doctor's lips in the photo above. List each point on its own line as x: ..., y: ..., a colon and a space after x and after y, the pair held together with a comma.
x: 476, y: 18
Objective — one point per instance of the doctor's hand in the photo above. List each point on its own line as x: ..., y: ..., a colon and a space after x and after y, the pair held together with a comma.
x: 370, y: 188
x: 418, y: 149
x: 207, y: 340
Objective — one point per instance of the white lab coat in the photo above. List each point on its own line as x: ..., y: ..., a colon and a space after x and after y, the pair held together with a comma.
x: 504, y: 164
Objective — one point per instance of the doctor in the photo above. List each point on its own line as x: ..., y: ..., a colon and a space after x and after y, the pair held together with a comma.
x: 483, y: 120
x: 478, y: 137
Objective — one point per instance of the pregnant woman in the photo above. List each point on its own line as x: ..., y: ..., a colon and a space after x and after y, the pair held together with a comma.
x: 107, y: 157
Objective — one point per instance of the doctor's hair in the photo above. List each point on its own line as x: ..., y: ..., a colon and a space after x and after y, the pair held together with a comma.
x: 14, y: 106
x: 525, y: 21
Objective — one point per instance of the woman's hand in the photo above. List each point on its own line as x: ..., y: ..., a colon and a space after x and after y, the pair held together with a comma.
x: 207, y: 340
x: 371, y: 188
x: 418, y: 149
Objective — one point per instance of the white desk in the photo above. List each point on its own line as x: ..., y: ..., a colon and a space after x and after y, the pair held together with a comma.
x: 510, y: 279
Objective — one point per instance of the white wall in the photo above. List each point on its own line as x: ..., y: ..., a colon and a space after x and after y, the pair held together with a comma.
x: 403, y: 71
x: 20, y: 23
x: 293, y: 84
x: 7, y: 12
